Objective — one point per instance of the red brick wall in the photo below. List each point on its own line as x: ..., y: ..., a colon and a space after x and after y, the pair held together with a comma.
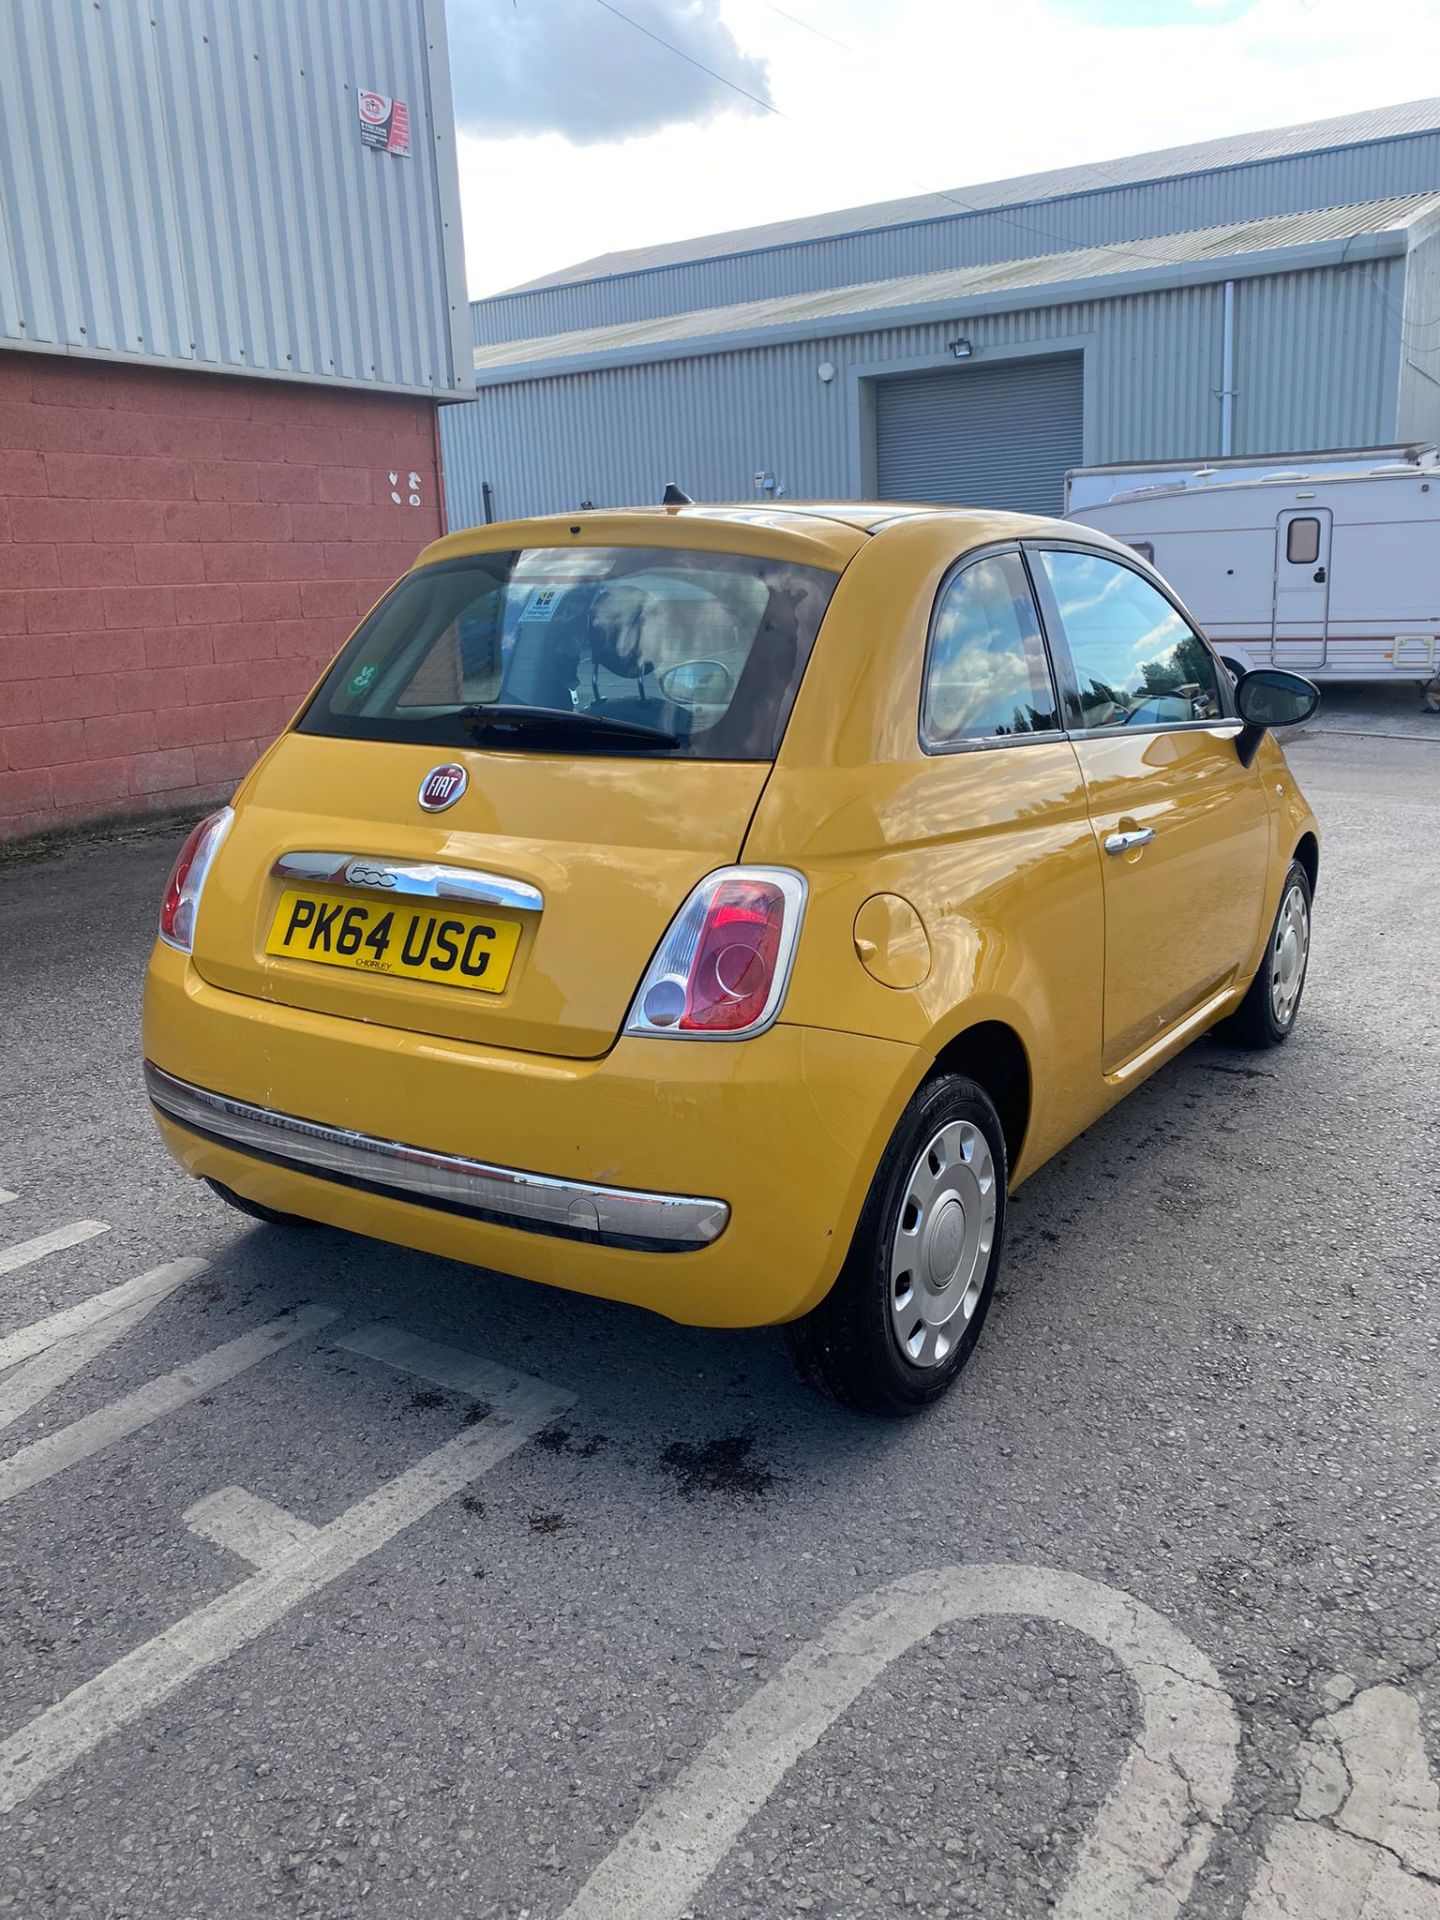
x: 180, y: 553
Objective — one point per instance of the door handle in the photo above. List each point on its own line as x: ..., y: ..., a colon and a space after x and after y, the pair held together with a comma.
x: 1123, y: 842
x: 1319, y: 576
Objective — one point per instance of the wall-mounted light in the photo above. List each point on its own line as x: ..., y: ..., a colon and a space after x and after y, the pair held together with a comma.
x: 961, y: 349
x: 825, y: 372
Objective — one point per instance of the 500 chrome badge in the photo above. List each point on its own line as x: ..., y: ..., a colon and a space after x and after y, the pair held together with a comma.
x: 442, y: 787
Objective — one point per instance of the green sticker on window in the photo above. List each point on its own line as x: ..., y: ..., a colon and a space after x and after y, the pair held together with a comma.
x: 364, y: 679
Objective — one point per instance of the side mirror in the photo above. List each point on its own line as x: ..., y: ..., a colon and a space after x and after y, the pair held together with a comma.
x: 1270, y: 697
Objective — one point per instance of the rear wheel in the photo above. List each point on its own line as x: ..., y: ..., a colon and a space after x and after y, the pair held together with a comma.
x: 1266, y: 1016
x: 255, y: 1210
x: 907, y: 1309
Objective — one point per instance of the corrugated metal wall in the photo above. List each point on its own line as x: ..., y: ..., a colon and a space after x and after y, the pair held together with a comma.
x: 1316, y: 367
x: 184, y: 181
x: 1418, y: 325
x: 1317, y: 357
x: 1373, y: 170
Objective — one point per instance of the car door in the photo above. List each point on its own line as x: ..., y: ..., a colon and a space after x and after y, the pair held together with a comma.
x: 1183, y: 826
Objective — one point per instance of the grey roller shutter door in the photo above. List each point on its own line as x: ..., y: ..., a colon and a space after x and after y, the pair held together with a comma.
x: 981, y: 436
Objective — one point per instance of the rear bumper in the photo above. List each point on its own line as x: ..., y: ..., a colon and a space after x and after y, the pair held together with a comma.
x: 494, y: 1157
x: 505, y: 1196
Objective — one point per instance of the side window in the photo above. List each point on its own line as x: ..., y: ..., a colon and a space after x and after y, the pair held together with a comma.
x: 1302, y: 542
x: 987, y: 676
x: 1137, y: 662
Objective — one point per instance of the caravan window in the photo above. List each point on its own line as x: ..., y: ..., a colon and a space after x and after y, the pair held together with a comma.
x: 1302, y: 542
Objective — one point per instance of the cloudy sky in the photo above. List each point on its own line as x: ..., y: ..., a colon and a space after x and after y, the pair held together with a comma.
x: 581, y: 133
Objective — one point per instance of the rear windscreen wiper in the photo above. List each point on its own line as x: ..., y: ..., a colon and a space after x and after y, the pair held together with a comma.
x: 501, y: 718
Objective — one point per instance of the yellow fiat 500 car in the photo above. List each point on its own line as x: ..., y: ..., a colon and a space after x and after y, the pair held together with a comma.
x: 725, y: 909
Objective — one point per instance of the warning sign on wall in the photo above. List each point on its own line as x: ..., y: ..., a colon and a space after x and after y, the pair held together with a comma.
x: 384, y: 123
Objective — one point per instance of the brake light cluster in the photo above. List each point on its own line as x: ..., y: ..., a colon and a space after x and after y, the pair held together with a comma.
x: 187, y: 880
x: 722, y: 969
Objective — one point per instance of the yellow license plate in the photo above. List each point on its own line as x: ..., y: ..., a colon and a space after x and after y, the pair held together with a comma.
x: 411, y: 939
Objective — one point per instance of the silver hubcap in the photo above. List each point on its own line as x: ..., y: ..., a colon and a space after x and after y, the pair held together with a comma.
x: 1289, y: 951
x: 942, y: 1244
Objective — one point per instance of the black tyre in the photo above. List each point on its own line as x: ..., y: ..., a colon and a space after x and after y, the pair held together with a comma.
x: 904, y: 1315
x: 1266, y: 1016
x: 255, y: 1210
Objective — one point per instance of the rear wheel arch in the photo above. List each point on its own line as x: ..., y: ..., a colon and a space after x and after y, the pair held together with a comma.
x: 993, y: 1055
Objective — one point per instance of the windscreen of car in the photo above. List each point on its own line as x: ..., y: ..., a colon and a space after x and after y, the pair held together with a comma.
x: 652, y: 651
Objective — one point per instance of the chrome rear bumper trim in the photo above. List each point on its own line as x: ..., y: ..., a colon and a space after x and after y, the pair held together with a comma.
x: 506, y: 1196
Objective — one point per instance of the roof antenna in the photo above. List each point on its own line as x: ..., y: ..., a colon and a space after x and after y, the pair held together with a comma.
x: 673, y: 496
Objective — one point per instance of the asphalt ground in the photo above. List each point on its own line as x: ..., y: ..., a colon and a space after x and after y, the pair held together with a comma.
x: 1141, y: 1621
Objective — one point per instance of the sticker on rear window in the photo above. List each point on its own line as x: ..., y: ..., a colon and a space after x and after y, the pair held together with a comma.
x: 542, y: 603
x: 362, y: 681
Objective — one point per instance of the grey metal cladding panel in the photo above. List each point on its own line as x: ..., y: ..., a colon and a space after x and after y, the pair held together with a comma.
x: 614, y: 438
x: 616, y: 435
x: 463, y: 447
x: 1155, y: 393
x: 1001, y: 436
x: 1317, y: 357
x: 1418, y: 408
x: 184, y: 181
x: 1211, y: 251
x: 1342, y: 177
x: 87, y: 265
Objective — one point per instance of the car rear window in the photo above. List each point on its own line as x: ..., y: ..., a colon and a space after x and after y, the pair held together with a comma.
x: 647, y: 650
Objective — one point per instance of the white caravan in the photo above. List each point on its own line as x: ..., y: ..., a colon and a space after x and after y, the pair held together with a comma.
x: 1332, y: 573
x: 1093, y: 486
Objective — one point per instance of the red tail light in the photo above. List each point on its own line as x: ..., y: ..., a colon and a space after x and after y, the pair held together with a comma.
x: 734, y: 963
x: 722, y: 969
x: 187, y: 880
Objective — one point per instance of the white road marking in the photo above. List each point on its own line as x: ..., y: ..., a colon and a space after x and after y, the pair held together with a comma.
x: 6, y: 1196
x: 40, y: 1334
x: 25, y: 1386
x: 450, y: 1367
x: 24, y: 1251
x: 1138, y: 1860
x: 64, y: 1733
x: 167, y: 1393
x: 1365, y: 1840
x: 245, y: 1524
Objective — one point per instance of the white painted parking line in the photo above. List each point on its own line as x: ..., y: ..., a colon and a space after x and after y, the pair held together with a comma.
x: 166, y: 1394
x: 450, y: 1367
x: 40, y: 1334
x: 64, y: 1733
x: 24, y: 1251
x: 26, y: 1385
x: 1148, y: 1840
x: 247, y: 1525
x: 6, y: 1196
x: 1365, y: 1840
